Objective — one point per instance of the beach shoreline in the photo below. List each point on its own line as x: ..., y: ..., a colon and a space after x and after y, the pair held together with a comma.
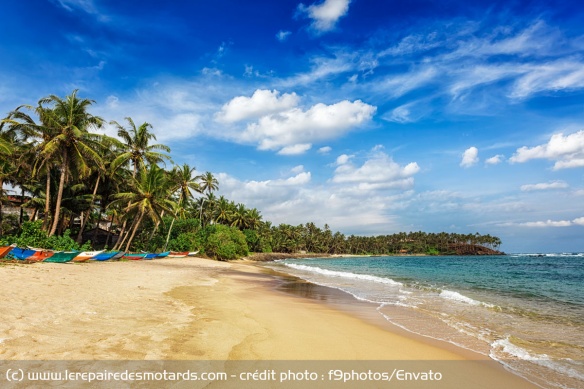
x: 188, y: 309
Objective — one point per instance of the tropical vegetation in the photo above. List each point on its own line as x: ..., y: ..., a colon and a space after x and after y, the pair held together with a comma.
x: 75, y: 179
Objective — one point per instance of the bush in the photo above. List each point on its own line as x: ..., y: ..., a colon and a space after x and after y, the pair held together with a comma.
x: 224, y: 242
x: 187, y: 241
x: 33, y: 235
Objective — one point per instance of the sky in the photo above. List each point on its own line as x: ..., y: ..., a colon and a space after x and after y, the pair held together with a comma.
x: 374, y: 117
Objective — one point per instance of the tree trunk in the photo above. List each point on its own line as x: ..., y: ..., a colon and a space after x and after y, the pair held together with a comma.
x: 168, y: 235
x: 134, y: 231
x: 59, y: 194
x: 1, y: 216
x: 47, y: 201
x: 87, y: 213
x: 119, y: 242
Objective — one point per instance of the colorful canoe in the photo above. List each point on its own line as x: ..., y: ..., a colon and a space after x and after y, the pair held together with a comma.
x: 104, y: 256
x: 62, y: 256
x: 118, y: 256
x: 20, y: 253
x: 86, y: 255
x: 178, y: 254
x: 134, y: 256
x: 41, y: 255
x: 4, y: 250
x: 163, y: 254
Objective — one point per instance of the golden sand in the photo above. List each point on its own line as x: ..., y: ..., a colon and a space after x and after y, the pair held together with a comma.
x: 197, y: 309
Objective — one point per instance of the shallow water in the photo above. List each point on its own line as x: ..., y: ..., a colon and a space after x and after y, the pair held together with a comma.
x: 524, y: 310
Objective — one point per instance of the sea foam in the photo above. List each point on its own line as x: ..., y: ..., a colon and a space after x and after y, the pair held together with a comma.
x: 341, y: 274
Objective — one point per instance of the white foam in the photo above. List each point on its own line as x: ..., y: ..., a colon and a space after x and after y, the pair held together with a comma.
x: 544, y: 360
x: 450, y: 295
x: 341, y: 274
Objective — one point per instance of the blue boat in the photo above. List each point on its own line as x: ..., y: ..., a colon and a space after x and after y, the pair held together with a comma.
x: 104, y: 256
x: 20, y: 254
x: 162, y: 255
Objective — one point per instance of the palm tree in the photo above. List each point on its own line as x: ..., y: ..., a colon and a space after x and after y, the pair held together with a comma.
x: 138, y: 151
x: 208, y: 182
x: 68, y: 141
x: 184, y: 183
x: 148, y: 197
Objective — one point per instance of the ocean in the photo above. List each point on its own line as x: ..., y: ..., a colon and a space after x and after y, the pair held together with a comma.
x: 524, y: 310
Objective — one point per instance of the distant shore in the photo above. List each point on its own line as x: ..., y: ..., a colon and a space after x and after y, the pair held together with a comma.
x: 197, y: 309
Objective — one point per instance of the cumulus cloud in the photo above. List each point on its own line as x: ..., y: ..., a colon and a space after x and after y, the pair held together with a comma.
x: 326, y: 14
x: 262, y: 102
x: 494, y: 160
x: 325, y: 150
x: 470, y: 157
x: 377, y: 172
x: 567, y: 151
x: 294, y: 130
x: 544, y: 186
x: 547, y: 223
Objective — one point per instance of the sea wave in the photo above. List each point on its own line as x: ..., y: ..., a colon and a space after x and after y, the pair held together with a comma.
x: 507, y: 348
x: 341, y: 274
x: 450, y: 295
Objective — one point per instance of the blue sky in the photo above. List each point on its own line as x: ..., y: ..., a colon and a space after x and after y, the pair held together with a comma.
x: 372, y: 116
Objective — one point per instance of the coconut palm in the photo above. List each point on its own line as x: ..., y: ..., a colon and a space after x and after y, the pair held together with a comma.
x: 149, y: 196
x: 137, y: 149
x: 68, y: 141
x: 208, y: 182
x: 184, y: 183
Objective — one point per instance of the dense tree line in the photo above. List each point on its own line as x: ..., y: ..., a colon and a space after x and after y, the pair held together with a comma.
x: 77, y: 179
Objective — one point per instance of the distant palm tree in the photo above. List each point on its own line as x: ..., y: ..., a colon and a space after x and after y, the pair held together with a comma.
x: 208, y: 182
x: 183, y: 182
x: 137, y: 149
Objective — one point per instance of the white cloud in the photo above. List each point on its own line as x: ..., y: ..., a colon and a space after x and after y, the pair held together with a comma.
x: 283, y: 35
x: 262, y: 102
x: 495, y: 160
x: 326, y: 14
x: 325, y: 150
x: 545, y: 186
x: 295, y: 129
x: 295, y: 149
x: 470, y: 157
x: 567, y: 151
x: 378, y: 172
x: 579, y: 221
x: 547, y: 223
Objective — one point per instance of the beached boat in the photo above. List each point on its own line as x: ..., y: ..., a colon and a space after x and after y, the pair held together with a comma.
x: 104, y: 256
x: 134, y: 256
x: 118, y: 256
x: 41, y: 255
x: 62, y: 256
x: 86, y: 255
x: 20, y: 253
x: 193, y: 253
x: 163, y: 254
x: 178, y: 254
x: 4, y: 250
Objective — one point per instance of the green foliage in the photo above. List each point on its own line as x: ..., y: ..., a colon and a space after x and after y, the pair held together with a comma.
x: 225, y: 243
x: 432, y: 251
x: 187, y: 241
x: 32, y: 235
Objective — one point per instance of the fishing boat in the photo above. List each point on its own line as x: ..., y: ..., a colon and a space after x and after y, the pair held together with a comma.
x: 86, y: 255
x: 104, y: 256
x: 118, y: 256
x: 193, y: 253
x: 41, y: 255
x: 62, y: 256
x: 20, y: 253
x: 4, y: 250
x: 163, y: 254
x: 178, y: 254
x: 134, y: 256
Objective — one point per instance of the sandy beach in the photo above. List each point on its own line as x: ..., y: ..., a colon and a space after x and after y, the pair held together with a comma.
x: 197, y: 309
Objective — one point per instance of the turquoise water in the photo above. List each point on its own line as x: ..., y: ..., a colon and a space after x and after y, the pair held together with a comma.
x: 524, y: 310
